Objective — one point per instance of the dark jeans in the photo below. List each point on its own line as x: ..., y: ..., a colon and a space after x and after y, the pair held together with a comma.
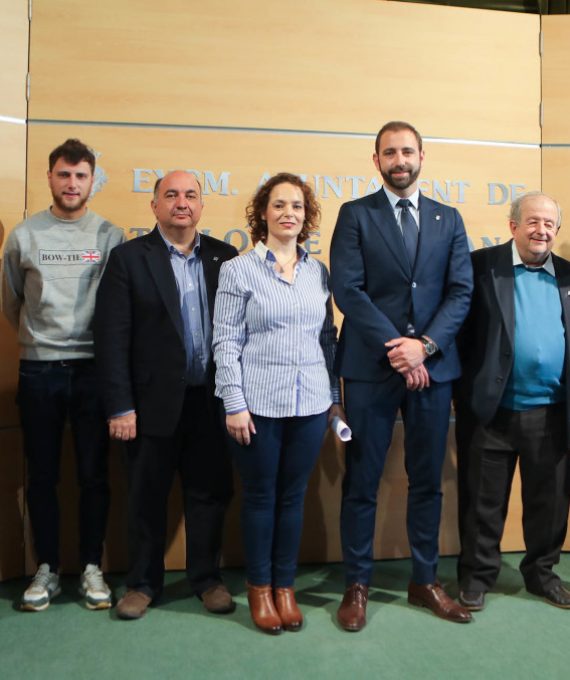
x: 50, y: 392
x: 196, y: 450
x: 275, y: 470
x: 537, y: 439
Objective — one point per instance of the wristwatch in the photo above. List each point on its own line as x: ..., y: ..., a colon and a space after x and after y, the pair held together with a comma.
x: 429, y: 345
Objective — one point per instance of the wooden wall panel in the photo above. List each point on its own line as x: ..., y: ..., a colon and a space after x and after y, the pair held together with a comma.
x: 556, y: 124
x: 12, y: 176
x: 13, y: 106
x: 478, y: 180
x: 556, y: 79
x: 323, y: 65
x: 11, y: 505
x: 14, y: 51
x: 555, y: 169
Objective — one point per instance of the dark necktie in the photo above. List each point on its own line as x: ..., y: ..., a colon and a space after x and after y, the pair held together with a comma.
x: 409, y: 229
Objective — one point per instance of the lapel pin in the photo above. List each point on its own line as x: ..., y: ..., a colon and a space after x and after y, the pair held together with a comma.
x: 216, y: 258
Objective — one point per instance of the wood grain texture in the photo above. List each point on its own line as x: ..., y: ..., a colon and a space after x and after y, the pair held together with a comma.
x: 555, y: 165
x: 14, y: 54
x: 14, y: 58
x: 341, y: 168
x: 323, y: 65
x: 11, y: 505
x: 556, y: 79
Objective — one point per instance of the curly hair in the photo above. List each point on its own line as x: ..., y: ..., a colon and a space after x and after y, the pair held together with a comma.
x: 258, y: 205
x: 72, y: 151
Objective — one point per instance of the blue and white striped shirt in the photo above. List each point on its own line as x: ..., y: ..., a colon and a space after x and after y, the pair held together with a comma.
x: 274, y: 341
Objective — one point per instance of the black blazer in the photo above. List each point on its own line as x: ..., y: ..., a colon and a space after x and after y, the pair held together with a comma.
x: 486, y: 339
x: 139, y: 337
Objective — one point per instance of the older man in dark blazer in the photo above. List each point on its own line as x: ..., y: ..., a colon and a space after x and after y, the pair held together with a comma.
x: 153, y: 330
x: 513, y: 404
x: 401, y: 275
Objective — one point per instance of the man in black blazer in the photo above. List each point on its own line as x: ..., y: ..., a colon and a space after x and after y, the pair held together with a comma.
x: 513, y: 404
x: 153, y: 331
x: 401, y: 275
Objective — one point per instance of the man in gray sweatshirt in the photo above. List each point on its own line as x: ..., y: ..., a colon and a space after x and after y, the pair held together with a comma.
x: 50, y: 272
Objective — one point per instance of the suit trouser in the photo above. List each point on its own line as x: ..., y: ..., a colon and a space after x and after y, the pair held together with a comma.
x: 195, y: 450
x: 50, y: 392
x: 537, y: 439
x: 371, y: 410
x: 275, y: 470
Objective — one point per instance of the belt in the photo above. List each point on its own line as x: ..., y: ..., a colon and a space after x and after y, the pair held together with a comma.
x: 57, y: 362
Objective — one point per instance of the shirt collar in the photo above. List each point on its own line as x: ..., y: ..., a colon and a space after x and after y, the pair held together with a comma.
x: 173, y: 249
x: 263, y: 252
x: 394, y: 198
x: 548, y: 265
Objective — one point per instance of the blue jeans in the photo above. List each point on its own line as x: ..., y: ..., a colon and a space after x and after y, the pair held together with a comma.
x: 274, y: 471
x: 49, y: 392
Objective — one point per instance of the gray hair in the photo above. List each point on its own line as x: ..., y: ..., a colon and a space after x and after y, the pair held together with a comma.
x: 516, y: 206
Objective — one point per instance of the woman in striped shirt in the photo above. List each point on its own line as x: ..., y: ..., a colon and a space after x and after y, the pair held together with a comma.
x: 274, y: 344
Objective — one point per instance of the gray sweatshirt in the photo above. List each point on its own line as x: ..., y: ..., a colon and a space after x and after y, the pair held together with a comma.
x: 50, y: 273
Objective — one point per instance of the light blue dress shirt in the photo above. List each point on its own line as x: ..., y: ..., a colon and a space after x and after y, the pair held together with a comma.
x: 274, y: 341
x: 189, y: 275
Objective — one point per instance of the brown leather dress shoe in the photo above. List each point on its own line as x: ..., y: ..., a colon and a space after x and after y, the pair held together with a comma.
x: 218, y: 600
x: 133, y: 605
x: 433, y: 596
x: 262, y: 609
x: 351, y: 614
x: 289, y: 613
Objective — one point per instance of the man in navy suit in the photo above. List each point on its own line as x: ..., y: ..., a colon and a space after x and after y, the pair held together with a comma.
x: 402, y: 277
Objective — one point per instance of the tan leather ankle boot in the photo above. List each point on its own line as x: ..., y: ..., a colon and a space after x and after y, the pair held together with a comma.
x: 262, y: 609
x: 289, y: 613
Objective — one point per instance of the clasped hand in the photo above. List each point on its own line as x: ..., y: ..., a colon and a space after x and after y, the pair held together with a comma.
x: 406, y: 355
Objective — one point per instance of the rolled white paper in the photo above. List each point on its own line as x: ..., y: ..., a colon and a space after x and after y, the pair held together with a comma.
x: 341, y: 429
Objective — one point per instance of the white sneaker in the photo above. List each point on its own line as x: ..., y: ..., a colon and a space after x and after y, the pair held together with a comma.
x: 96, y: 592
x: 43, y: 588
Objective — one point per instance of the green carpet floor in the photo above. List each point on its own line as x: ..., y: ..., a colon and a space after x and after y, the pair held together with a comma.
x: 517, y: 636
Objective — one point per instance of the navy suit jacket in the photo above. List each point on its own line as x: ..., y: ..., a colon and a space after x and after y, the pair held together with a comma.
x: 139, y: 334
x: 486, y: 341
x: 375, y: 287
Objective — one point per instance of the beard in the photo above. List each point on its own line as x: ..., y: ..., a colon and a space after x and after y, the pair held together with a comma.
x: 76, y: 205
x: 401, y: 183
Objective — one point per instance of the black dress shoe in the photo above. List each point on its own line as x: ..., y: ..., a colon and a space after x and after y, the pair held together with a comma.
x: 558, y: 596
x: 474, y: 600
